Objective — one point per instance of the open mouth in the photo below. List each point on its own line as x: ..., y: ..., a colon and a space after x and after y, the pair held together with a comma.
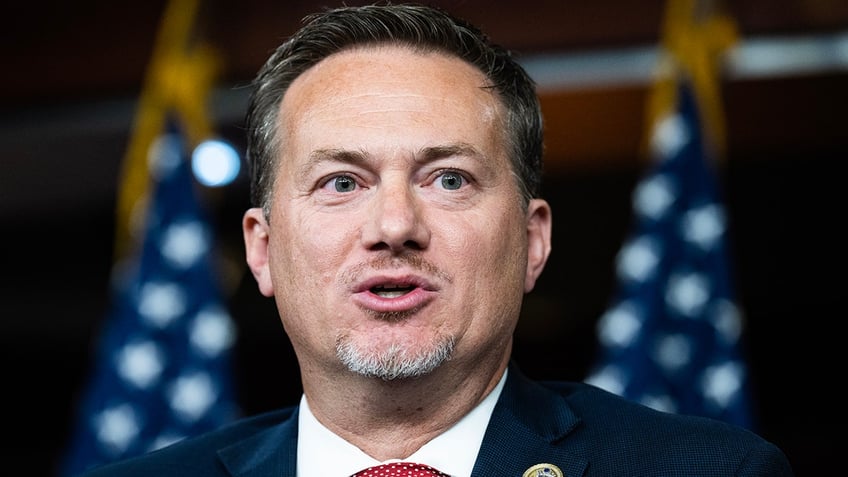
x: 391, y: 291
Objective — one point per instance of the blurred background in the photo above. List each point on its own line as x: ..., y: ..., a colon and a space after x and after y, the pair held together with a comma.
x: 73, y: 73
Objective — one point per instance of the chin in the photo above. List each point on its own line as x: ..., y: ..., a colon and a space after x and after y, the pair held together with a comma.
x: 395, y: 361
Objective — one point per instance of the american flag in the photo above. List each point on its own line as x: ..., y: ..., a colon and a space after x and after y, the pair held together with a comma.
x: 162, y: 369
x: 671, y: 337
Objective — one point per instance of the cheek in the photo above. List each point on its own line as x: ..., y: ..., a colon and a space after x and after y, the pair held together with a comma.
x: 489, y: 266
x: 305, y: 265
x: 310, y: 251
x: 490, y: 248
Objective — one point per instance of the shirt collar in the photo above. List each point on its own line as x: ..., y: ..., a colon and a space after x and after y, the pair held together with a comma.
x: 454, y: 452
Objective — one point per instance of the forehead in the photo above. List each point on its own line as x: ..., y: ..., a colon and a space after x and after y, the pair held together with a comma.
x: 393, y: 60
x: 390, y: 80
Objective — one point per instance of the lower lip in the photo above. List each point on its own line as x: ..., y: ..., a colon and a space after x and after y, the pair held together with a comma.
x: 410, y: 301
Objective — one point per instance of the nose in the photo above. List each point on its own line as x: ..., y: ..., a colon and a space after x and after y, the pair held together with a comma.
x: 396, y: 219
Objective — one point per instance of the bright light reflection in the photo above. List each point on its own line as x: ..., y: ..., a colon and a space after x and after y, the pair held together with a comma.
x: 215, y: 163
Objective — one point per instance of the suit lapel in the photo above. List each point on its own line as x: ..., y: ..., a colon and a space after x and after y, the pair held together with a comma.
x: 271, y: 452
x: 529, y: 426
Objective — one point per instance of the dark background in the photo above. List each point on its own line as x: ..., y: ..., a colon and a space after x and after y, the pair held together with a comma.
x: 72, y: 71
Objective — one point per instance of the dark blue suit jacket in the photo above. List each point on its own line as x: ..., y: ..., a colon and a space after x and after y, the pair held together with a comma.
x: 583, y: 430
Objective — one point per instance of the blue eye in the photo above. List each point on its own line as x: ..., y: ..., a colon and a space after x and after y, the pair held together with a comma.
x: 343, y: 183
x: 451, y: 180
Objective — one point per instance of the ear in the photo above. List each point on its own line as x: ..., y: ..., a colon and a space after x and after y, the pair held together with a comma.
x: 538, y: 240
x: 255, y: 230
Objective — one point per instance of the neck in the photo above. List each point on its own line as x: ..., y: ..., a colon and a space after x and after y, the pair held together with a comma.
x: 393, y: 419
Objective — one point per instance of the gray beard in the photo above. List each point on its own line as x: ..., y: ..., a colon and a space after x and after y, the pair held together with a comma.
x: 395, y: 363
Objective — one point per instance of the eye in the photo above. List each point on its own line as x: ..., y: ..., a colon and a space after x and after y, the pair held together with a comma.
x: 451, y: 180
x: 343, y: 183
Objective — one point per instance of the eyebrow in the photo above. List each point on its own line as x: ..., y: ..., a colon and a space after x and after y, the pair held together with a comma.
x: 433, y: 153
x: 361, y: 158
x: 335, y: 155
x: 320, y: 156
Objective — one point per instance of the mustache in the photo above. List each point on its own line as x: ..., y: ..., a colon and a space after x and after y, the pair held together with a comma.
x: 392, y: 262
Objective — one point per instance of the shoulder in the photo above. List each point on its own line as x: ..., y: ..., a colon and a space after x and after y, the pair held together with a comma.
x: 599, y: 408
x: 196, y: 455
x: 628, y: 431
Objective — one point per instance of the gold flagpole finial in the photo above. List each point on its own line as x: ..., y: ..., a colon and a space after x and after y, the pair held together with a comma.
x: 695, y: 35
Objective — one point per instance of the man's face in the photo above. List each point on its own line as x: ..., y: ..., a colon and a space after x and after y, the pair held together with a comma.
x: 397, y: 235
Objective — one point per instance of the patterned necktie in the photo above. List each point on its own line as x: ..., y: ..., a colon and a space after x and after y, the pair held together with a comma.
x: 400, y: 469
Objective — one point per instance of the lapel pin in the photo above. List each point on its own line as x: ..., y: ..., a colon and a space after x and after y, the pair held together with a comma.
x: 543, y: 470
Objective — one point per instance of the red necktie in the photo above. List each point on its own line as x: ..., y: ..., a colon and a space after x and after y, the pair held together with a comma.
x: 400, y: 469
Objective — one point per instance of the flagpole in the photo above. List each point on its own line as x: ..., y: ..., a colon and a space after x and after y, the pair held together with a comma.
x: 694, y: 36
x: 179, y: 78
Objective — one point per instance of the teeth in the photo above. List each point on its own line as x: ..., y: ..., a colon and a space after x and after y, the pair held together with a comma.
x: 391, y: 291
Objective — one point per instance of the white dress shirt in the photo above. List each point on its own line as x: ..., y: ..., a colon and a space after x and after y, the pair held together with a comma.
x: 321, y: 452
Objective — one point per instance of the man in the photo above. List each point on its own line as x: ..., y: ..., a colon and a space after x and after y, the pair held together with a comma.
x: 395, y: 164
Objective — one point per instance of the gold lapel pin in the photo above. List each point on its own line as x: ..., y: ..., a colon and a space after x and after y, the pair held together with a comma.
x: 543, y: 470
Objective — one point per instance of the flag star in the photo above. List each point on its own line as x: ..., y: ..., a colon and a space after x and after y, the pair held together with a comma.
x: 722, y: 382
x: 674, y: 271
x: 161, y: 303
x: 638, y: 259
x: 184, y: 243
x: 660, y: 402
x: 192, y: 395
x: 727, y: 320
x: 670, y: 135
x: 165, y: 440
x: 165, y: 155
x: 211, y: 332
x: 704, y: 226
x: 653, y: 197
x: 620, y: 325
x: 611, y: 378
x: 140, y: 363
x: 117, y: 427
x: 167, y: 320
x: 687, y: 293
x: 673, y: 351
